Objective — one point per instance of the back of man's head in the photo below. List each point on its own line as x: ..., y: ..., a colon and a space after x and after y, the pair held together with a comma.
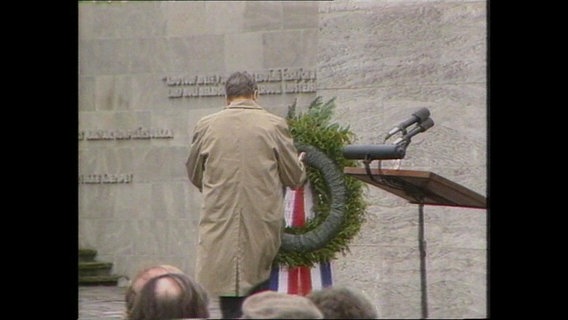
x: 278, y: 305
x: 170, y: 296
x: 343, y: 303
x: 142, y: 277
x: 240, y: 84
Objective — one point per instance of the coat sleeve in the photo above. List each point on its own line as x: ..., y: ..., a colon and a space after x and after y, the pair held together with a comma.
x: 291, y: 170
x: 196, y: 161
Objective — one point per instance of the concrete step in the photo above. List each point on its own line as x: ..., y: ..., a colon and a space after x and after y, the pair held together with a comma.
x: 108, y: 280
x: 87, y: 255
x: 95, y: 273
x: 96, y: 268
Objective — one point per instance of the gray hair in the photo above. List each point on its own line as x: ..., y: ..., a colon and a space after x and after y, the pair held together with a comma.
x: 240, y: 84
x: 341, y: 302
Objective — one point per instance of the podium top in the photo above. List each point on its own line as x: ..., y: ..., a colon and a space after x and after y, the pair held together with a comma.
x: 420, y: 187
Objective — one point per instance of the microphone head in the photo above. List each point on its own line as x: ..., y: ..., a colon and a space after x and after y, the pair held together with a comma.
x: 422, y: 114
x: 427, y: 124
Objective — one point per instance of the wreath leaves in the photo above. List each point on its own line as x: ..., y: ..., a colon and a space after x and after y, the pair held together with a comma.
x: 314, y: 130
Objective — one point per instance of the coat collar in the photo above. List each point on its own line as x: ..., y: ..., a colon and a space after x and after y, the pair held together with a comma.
x: 243, y: 104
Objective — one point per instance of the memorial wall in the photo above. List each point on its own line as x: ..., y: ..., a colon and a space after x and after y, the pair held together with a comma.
x: 149, y: 70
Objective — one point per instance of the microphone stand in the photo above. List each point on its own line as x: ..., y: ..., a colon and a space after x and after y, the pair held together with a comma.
x: 418, y: 187
x: 419, y: 196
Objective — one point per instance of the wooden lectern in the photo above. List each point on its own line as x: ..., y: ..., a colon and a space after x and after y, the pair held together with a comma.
x: 420, y: 187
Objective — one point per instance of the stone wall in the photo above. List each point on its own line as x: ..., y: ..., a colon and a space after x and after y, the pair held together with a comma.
x: 149, y: 70
x: 383, y: 60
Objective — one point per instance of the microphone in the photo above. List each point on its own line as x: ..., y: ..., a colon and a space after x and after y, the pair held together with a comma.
x: 418, y: 116
x: 421, y: 127
x: 373, y: 151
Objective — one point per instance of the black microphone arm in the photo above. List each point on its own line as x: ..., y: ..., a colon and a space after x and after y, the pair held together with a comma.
x: 374, y: 151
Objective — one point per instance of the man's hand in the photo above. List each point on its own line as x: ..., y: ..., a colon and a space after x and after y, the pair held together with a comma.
x: 302, y: 156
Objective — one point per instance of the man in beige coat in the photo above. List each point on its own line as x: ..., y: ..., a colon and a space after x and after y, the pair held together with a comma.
x: 241, y: 159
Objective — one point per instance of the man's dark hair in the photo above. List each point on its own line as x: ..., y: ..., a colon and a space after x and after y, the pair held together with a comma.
x: 240, y: 84
x: 184, y: 299
x: 343, y: 303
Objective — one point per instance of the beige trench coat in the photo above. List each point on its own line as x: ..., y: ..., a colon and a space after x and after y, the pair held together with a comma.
x: 241, y: 159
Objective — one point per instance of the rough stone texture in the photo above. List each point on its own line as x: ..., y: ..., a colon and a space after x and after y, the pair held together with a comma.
x: 381, y: 60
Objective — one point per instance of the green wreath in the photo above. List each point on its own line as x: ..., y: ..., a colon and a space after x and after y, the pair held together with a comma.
x: 339, y: 204
x: 324, y: 232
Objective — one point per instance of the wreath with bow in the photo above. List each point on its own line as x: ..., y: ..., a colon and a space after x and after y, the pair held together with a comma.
x: 339, y: 203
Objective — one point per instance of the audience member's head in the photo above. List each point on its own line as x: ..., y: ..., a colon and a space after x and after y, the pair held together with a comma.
x: 340, y: 302
x: 170, y: 296
x: 141, y: 278
x: 278, y: 305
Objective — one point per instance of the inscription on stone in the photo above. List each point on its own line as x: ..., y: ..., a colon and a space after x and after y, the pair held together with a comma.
x: 139, y: 133
x: 97, y: 178
x: 272, y: 81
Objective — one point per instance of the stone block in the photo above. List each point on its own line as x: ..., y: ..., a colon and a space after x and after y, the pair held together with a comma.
x: 226, y: 17
x: 99, y: 57
x: 398, y: 45
x: 86, y: 94
x: 199, y: 53
x: 168, y: 200
x: 149, y: 236
x: 113, y: 93
x: 159, y: 163
x: 286, y: 48
x: 114, y: 238
x: 400, y: 300
x: 300, y: 14
x: 147, y: 54
x: 310, y: 46
x: 87, y: 232
x: 391, y: 273
x: 86, y: 17
x: 398, y: 228
x: 182, y: 239
x: 133, y: 201
x: 354, y: 267
x: 451, y: 227
x: 263, y: 16
x: 175, y: 121
x: 361, y: 110
x: 185, y: 18
x: 96, y: 201
x: 121, y: 20
x: 448, y: 299
x: 151, y: 90
x: 243, y: 51
x: 457, y: 282
x: 110, y: 121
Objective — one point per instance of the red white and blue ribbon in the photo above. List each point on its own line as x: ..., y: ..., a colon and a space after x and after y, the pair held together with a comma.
x: 300, y: 280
